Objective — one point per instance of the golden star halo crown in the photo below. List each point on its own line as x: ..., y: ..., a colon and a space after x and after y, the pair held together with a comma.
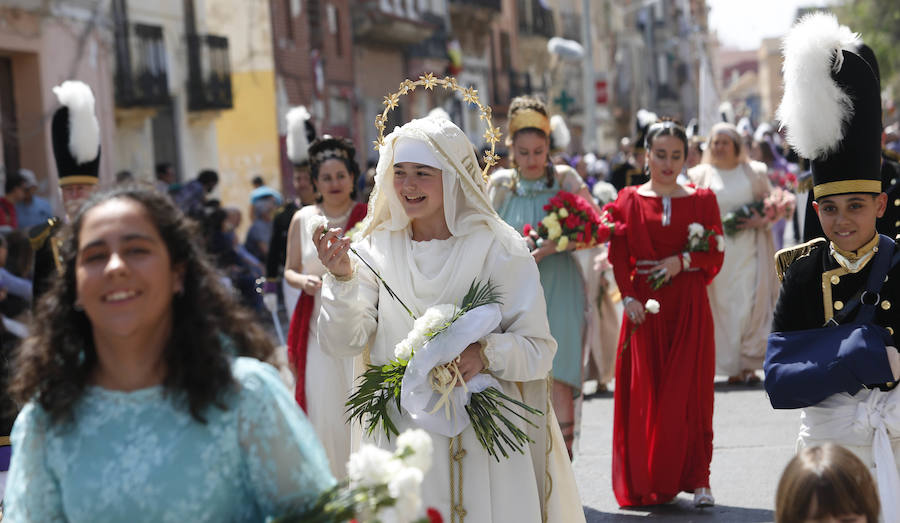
x: 469, y: 94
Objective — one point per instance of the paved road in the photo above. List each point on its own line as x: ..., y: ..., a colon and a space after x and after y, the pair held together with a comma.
x: 752, y: 444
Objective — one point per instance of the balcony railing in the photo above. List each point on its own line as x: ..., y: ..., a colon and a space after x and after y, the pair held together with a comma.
x: 535, y: 19
x: 141, y: 72
x: 393, y: 22
x: 494, y: 5
x: 209, y: 75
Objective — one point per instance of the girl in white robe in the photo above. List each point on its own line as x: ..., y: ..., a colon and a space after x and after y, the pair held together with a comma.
x: 359, y: 318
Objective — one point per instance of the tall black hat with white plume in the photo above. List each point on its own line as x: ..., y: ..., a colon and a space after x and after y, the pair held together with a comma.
x: 76, y: 134
x: 832, y: 106
x: 300, y: 132
x: 642, y: 122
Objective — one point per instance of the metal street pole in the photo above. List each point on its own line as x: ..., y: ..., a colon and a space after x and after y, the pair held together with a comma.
x: 589, y: 81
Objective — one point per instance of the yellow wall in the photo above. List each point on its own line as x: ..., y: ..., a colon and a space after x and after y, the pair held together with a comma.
x: 248, y: 139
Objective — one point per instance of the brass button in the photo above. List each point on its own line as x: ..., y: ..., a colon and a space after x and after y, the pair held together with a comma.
x: 885, y: 305
x: 890, y: 384
x: 838, y: 305
x: 890, y: 331
x: 897, y: 223
x: 835, y: 279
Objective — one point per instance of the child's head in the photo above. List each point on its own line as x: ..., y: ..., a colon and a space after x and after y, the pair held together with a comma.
x: 848, y: 220
x: 827, y: 483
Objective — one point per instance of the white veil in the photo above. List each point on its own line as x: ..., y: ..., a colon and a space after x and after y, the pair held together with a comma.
x: 466, y: 205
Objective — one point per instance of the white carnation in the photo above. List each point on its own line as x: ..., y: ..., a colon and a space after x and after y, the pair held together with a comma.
x: 418, y: 443
x: 434, y: 318
x: 652, y: 306
x: 403, y: 350
x: 404, y: 486
x: 314, y: 222
x: 695, y: 230
x: 563, y: 213
x: 371, y: 466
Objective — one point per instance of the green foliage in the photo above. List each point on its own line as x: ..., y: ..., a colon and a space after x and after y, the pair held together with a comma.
x: 495, y: 431
x: 378, y: 387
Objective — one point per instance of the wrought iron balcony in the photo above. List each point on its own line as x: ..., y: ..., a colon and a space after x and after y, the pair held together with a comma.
x: 535, y: 19
x: 493, y: 5
x: 209, y: 73
x: 141, y: 72
x: 392, y: 22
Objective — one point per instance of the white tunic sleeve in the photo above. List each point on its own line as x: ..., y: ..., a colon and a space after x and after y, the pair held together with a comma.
x: 524, y: 349
x: 349, y: 313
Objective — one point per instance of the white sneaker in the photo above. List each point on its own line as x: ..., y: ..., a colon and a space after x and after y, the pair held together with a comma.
x: 703, y: 498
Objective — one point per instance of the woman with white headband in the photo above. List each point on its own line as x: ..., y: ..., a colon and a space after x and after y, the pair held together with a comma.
x: 430, y: 233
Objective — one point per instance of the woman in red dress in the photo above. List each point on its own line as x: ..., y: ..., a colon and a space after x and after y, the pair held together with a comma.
x: 662, y: 434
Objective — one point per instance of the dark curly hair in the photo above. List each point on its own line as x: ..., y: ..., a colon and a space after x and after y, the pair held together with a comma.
x: 520, y: 103
x: 54, y: 364
x: 332, y: 143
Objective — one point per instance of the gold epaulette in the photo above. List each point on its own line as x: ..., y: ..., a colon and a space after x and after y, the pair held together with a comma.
x: 38, y: 234
x: 805, y: 185
x: 785, y: 257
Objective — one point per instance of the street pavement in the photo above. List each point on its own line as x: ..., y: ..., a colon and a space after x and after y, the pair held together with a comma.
x: 751, y: 446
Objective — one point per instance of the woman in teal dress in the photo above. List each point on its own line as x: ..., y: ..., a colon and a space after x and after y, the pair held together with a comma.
x: 146, y: 399
x: 519, y: 196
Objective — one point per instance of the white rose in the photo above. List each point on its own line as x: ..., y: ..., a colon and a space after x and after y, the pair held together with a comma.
x: 404, y: 486
x: 314, y: 222
x: 418, y: 443
x: 720, y: 243
x: 563, y: 213
x: 695, y: 229
x: 652, y: 306
x: 371, y: 466
x: 554, y: 232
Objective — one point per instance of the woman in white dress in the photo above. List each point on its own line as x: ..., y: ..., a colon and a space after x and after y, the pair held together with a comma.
x: 743, y: 295
x: 323, y: 381
x: 430, y: 232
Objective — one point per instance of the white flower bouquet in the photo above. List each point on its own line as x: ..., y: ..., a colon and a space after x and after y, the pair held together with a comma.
x: 424, y: 380
x: 700, y: 239
x: 381, y: 486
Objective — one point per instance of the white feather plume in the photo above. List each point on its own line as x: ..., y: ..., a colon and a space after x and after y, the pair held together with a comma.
x: 84, y: 129
x: 814, y: 109
x: 761, y: 131
x: 645, y: 118
x: 560, y: 136
x: 744, y: 127
x: 726, y: 112
x: 297, y: 141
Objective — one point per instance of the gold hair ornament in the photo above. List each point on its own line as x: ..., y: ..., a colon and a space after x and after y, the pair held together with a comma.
x: 469, y: 94
x: 529, y: 118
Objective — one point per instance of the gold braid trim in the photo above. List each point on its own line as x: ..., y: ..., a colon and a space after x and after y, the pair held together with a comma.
x: 785, y: 257
x: 457, y: 508
x: 469, y: 95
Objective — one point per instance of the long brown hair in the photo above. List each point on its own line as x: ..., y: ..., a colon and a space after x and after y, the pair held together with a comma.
x: 54, y: 365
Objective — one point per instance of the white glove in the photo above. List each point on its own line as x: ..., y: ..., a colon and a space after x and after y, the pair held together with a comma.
x: 894, y: 359
x: 270, y: 300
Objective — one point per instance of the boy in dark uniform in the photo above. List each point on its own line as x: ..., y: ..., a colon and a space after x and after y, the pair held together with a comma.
x: 300, y: 132
x: 76, y: 149
x: 632, y: 171
x: 848, y: 395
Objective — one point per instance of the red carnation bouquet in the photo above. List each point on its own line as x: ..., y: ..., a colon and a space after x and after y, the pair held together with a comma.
x: 570, y: 220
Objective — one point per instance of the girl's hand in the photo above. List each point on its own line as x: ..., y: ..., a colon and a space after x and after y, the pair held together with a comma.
x: 333, y: 251
x: 635, y: 312
x: 311, y: 284
x: 547, y: 248
x: 469, y: 362
x: 755, y: 221
x: 668, y: 268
